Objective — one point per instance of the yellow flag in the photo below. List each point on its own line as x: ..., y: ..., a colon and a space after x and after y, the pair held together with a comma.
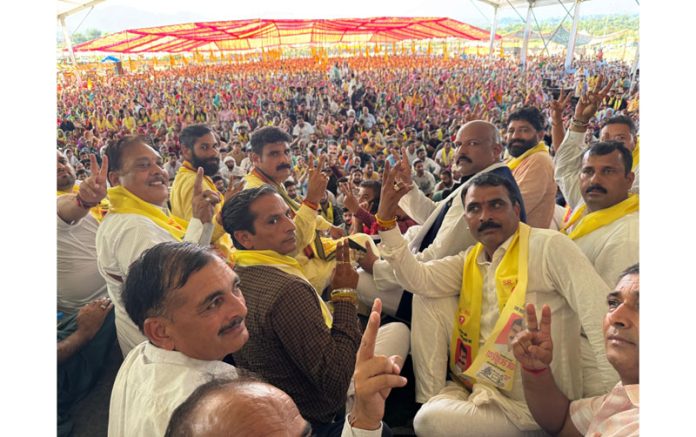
x: 430, y: 49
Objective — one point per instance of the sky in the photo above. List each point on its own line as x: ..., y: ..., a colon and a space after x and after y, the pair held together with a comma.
x: 160, y: 12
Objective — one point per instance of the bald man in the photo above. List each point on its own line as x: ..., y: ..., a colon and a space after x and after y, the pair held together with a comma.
x: 443, y: 232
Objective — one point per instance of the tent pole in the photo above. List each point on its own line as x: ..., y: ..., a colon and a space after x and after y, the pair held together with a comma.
x: 525, y: 43
x: 493, y: 29
x: 634, y: 69
x: 573, y: 34
x: 69, y: 43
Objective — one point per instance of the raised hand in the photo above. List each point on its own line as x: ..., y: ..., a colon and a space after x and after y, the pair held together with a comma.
x: 405, y: 176
x: 316, y: 185
x: 557, y: 106
x: 93, y: 189
x: 590, y: 101
x: 349, y: 199
x: 344, y: 275
x: 392, y: 191
x: 533, y: 347
x: 374, y: 376
x: 204, y: 201
x: 234, y: 187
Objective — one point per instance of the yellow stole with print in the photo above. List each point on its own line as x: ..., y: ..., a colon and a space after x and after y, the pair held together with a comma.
x: 513, y: 163
x: 286, y: 264
x: 98, y: 212
x: 595, y: 220
x: 328, y: 213
x: 494, y: 364
x: 125, y: 202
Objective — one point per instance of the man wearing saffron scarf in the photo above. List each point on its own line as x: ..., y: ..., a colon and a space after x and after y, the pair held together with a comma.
x: 531, y: 165
x: 138, y: 219
x: 511, y: 264
x: 199, y: 148
x: 604, y: 219
x: 296, y: 342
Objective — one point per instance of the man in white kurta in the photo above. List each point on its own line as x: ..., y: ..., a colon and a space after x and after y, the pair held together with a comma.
x: 478, y: 151
x: 126, y: 232
x: 559, y: 275
x: 601, y: 170
x: 151, y: 383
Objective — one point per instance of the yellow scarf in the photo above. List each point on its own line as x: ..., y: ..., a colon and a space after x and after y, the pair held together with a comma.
x: 328, y: 213
x: 495, y: 364
x: 595, y: 220
x: 98, y: 212
x: 125, y: 202
x: 514, y: 162
x: 286, y: 264
x: 636, y: 155
x: 207, y: 181
x: 256, y: 178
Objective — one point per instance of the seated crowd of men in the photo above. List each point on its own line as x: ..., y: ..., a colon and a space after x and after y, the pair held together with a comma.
x: 235, y: 299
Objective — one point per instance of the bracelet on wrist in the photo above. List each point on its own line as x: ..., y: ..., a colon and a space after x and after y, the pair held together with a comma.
x: 391, y: 222
x: 83, y: 204
x: 534, y: 371
x: 344, y: 295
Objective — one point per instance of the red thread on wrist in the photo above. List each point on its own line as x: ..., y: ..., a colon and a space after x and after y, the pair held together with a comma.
x: 311, y: 204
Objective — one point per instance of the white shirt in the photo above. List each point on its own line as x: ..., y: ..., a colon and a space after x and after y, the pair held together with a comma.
x: 151, y: 383
x: 303, y: 132
x: 559, y: 276
x: 79, y: 281
x: 452, y: 237
x: 121, y: 239
x: 612, y: 248
x: 568, y: 163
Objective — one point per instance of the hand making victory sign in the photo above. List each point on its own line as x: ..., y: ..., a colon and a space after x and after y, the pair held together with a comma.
x: 93, y: 189
x: 392, y: 190
x: 204, y: 201
x: 533, y: 347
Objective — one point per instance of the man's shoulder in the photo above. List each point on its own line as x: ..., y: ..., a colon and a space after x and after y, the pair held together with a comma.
x: 269, y: 279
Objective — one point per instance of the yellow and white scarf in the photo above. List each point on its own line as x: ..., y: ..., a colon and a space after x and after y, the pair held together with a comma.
x: 494, y: 364
x: 125, y: 202
x: 597, y: 219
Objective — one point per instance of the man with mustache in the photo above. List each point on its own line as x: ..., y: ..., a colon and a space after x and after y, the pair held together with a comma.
x: 617, y: 128
x: 443, y: 231
x: 605, y: 215
x: 297, y: 343
x: 186, y: 301
x: 138, y: 219
x: 271, y: 158
x: 531, y: 165
x: 538, y: 265
x: 615, y: 413
x: 200, y: 148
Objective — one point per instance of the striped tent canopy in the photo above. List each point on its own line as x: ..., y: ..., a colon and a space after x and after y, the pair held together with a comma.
x: 257, y: 34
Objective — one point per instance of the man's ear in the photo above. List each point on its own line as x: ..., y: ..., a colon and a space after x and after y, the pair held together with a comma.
x: 186, y: 153
x: 245, y: 238
x: 113, y: 176
x: 255, y: 159
x: 157, y: 330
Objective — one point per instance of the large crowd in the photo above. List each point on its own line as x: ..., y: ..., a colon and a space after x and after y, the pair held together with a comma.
x: 230, y: 225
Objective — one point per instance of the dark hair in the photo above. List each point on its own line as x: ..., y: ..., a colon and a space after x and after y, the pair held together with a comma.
x: 115, y: 150
x: 236, y: 212
x: 289, y: 183
x: 190, y: 134
x: 529, y: 114
x: 417, y: 161
x: 633, y: 270
x: 445, y: 172
x: 621, y: 119
x: 602, y: 148
x: 217, y: 177
x: 489, y: 179
x: 156, y: 273
x: 267, y: 135
x: 376, y: 187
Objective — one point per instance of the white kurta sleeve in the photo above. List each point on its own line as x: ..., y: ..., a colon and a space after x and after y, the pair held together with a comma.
x: 437, y: 278
x: 417, y: 205
x: 568, y: 163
